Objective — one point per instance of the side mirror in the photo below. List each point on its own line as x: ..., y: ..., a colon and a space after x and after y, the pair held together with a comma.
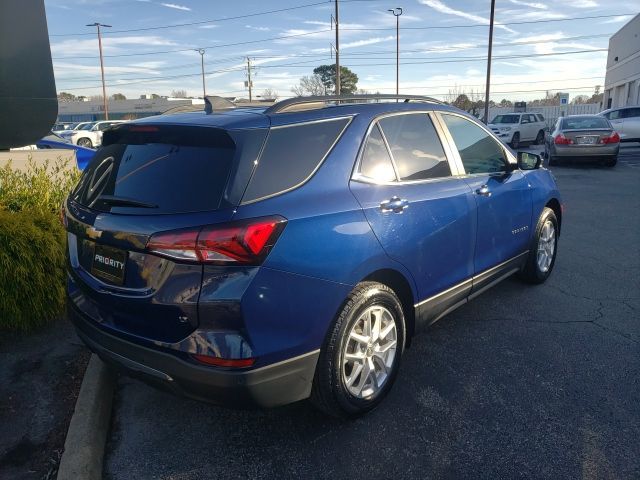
x: 529, y: 161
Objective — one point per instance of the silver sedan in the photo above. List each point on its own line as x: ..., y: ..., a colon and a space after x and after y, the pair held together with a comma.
x: 582, y: 137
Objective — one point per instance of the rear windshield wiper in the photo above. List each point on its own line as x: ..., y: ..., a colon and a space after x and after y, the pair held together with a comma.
x: 124, y: 202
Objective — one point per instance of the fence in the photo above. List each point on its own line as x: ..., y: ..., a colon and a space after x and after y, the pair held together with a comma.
x: 552, y: 113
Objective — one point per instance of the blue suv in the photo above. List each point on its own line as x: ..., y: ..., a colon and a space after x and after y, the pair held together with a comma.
x: 264, y: 256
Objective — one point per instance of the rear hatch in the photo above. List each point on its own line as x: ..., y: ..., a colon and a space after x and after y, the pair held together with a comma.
x: 148, y: 179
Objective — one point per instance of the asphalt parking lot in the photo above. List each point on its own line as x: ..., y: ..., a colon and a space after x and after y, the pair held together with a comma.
x: 533, y: 382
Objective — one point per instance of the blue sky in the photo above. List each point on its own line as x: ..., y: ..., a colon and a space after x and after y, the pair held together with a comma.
x: 434, y: 61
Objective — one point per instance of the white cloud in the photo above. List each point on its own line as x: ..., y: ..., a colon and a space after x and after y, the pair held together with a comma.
x: 540, y: 6
x: 68, y: 48
x: 442, y: 8
x: 368, y: 41
x: 208, y: 26
x: 580, y: 4
x: 260, y: 29
x: 618, y: 19
x: 176, y: 6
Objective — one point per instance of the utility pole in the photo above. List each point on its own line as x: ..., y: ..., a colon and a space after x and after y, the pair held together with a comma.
x: 488, y: 86
x: 104, y: 90
x: 249, y: 84
x: 204, y: 88
x: 337, y: 19
x: 396, y: 13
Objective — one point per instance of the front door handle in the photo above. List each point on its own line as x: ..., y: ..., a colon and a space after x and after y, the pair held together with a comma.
x: 394, y: 204
x: 484, y: 191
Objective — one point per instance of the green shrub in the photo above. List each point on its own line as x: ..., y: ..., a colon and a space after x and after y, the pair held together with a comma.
x: 40, y: 187
x: 32, y: 244
x: 32, y: 278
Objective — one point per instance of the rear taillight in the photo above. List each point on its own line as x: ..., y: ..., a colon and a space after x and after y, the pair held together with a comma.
x: 560, y: 139
x: 247, y: 242
x: 613, y: 138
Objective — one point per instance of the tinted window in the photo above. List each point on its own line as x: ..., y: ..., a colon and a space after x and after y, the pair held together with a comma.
x: 376, y: 161
x: 173, y: 169
x: 584, y: 122
x: 631, y: 112
x: 415, y: 147
x: 506, y: 119
x: 613, y: 115
x: 480, y: 153
x: 291, y: 156
x: 540, y: 117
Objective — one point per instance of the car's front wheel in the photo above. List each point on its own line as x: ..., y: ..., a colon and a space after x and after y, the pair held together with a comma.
x: 542, y: 256
x: 515, y: 141
x: 361, y: 355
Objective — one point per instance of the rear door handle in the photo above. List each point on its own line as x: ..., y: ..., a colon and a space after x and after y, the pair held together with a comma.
x: 484, y: 191
x: 394, y: 204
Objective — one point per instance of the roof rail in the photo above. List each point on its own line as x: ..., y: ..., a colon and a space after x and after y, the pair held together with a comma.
x: 290, y: 103
x: 214, y: 102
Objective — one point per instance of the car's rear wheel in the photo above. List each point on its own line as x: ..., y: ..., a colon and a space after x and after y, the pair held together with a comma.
x: 542, y: 256
x: 515, y: 141
x: 540, y: 138
x: 611, y: 162
x: 85, y: 142
x: 361, y: 356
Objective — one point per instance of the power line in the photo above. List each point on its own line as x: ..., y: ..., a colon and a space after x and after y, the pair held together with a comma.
x: 213, y: 20
x: 301, y: 65
x: 435, y: 27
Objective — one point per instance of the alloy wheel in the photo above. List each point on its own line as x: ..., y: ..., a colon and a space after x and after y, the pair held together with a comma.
x: 546, y: 246
x: 369, y: 352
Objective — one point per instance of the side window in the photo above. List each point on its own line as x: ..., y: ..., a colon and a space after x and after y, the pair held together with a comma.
x: 613, y: 115
x: 291, y: 155
x: 376, y: 161
x: 524, y: 119
x: 479, y: 152
x: 532, y: 118
x: 415, y: 147
x: 631, y: 113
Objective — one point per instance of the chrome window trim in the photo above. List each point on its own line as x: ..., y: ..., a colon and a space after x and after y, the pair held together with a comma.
x: 509, y: 156
x: 349, y: 119
x: 358, y: 177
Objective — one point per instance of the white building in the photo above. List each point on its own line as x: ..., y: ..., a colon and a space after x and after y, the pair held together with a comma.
x: 622, y: 82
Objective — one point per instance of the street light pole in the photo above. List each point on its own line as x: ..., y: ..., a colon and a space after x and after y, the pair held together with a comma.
x: 337, y: 49
x: 104, y: 89
x: 396, y: 13
x: 486, y: 96
x: 201, y: 52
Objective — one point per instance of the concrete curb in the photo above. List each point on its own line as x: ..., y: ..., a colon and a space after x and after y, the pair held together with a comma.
x: 87, y: 434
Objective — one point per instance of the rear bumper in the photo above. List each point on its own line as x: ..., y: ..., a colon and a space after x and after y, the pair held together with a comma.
x: 269, y: 386
x: 586, y: 151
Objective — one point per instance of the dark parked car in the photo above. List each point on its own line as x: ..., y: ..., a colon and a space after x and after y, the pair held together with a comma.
x: 263, y: 256
x: 582, y: 137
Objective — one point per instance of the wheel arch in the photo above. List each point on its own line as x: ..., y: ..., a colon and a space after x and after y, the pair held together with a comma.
x: 401, y: 286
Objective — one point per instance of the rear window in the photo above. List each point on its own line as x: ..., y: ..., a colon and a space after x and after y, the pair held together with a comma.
x: 583, y: 123
x: 291, y: 156
x: 158, y: 170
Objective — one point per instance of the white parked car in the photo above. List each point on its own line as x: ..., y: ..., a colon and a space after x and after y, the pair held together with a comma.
x: 626, y: 121
x: 517, y: 128
x: 92, y: 138
x: 76, y: 126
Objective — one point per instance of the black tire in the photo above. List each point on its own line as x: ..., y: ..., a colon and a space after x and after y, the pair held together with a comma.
x: 531, y: 272
x: 515, y: 141
x: 329, y: 392
x: 540, y: 138
x: 611, y: 162
x: 85, y: 142
x: 553, y: 161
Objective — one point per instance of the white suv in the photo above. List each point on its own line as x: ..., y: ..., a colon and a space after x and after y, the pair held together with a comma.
x: 92, y: 138
x: 516, y: 128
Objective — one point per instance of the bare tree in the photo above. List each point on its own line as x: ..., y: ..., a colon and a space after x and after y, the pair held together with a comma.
x: 179, y: 93
x: 310, y: 85
x: 269, y: 94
